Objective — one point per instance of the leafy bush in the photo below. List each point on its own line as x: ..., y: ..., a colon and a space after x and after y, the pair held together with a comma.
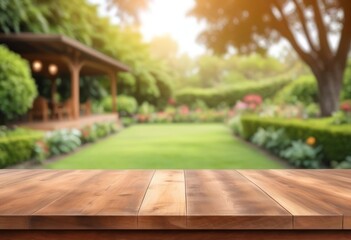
x: 346, y: 90
x: 343, y: 165
x: 271, y: 139
x: 230, y: 95
x: 63, y: 141
x: 302, y: 90
x: 236, y: 126
x: 127, y: 121
x: 17, y: 88
x: 335, y: 140
x: 126, y: 105
x: 302, y: 155
x: 17, y: 145
x: 96, y: 131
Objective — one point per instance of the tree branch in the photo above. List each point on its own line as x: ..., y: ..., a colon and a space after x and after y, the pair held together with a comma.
x: 322, y: 32
x: 303, y: 22
x: 345, y: 40
x: 282, y: 26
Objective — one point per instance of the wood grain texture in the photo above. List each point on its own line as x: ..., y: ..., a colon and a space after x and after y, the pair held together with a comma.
x: 175, y: 200
x: 109, y: 200
x: 176, y: 235
x: 226, y: 200
x: 317, y: 199
x: 164, y: 205
x: 21, y: 199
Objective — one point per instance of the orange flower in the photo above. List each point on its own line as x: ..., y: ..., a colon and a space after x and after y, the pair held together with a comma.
x: 311, y: 141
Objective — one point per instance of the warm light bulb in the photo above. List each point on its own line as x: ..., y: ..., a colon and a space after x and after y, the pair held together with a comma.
x: 53, y: 69
x: 37, y: 66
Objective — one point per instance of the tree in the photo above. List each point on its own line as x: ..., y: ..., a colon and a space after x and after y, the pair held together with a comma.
x: 128, y: 11
x: 255, y: 25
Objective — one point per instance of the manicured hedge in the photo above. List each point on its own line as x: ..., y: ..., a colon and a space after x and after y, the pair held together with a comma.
x: 335, y: 140
x: 17, y: 149
x: 230, y: 95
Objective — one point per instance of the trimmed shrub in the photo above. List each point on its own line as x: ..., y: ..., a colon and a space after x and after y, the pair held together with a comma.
x: 302, y: 90
x: 126, y: 105
x: 230, y: 95
x: 17, y: 88
x: 335, y: 140
x: 17, y: 146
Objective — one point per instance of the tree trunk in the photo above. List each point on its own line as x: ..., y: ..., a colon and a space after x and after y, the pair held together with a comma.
x: 329, y: 87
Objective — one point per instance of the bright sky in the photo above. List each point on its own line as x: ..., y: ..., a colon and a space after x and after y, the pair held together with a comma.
x: 169, y: 17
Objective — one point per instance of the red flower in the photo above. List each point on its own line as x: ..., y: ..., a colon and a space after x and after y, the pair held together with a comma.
x: 171, y: 101
x: 346, y: 106
x: 253, y: 99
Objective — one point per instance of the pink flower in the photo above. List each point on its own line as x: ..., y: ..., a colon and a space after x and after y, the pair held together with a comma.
x: 240, y: 105
x: 184, y: 110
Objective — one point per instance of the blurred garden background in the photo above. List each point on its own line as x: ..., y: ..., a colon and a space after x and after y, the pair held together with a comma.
x: 271, y: 87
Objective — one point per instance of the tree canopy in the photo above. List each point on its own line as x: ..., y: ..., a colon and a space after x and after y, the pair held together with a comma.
x: 308, y: 25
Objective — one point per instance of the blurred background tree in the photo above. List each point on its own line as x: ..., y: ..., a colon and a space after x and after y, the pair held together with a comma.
x: 255, y: 27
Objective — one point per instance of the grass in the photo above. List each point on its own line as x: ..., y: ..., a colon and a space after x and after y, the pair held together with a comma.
x: 169, y: 146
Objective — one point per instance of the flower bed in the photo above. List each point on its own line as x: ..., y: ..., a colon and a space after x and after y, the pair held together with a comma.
x: 335, y: 141
x: 19, y: 145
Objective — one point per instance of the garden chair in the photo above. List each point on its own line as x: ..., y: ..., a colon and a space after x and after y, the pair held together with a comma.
x: 85, y: 108
x: 64, y: 109
x: 40, y: 109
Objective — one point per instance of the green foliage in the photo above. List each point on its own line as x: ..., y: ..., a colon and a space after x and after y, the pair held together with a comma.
x: 80, y: 20
x: 230, y: 95
x: 343, y: 165
x: 126, y: 105
x: 271, y: 139
x: 346, y: 90
x: 302, y: 90
x: 17, y: 145
x: 63, y: 141
x: 236, y: 126
x: 17, y: 88
x: 128, y: 121
x: 335, y: 140
x: 302, y: 155
x: 146, y: 108
x: 341, y: 117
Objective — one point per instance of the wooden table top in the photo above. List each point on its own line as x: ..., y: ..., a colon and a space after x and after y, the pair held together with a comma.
x: 175, y: 199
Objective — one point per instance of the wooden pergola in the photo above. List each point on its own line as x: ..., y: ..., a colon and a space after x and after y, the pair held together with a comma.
x: 69, y: 57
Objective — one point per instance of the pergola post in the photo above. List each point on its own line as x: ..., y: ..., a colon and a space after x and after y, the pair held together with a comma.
x: 113, y: 82
x: 75, y: 70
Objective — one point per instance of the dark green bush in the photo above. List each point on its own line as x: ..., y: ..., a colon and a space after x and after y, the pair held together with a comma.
x: 17, y: 147
x: 302, y: 90
x: 17, y: 88
x: 230, y: 95
x: 346, y: 90
x: 126, y: 105
x: 335, y: 140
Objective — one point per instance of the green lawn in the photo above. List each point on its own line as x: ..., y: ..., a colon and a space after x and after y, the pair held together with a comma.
x: 169, y: 146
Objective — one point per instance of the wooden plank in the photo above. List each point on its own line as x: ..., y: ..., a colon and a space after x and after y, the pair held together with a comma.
x: 336, y: 185
x: 315, y: 200
x: 177, y: 234
x: 9, y: 177
x: 21, y: 199
x: 227, y: 200
x: 110, y: 200
x: 164, y: 205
